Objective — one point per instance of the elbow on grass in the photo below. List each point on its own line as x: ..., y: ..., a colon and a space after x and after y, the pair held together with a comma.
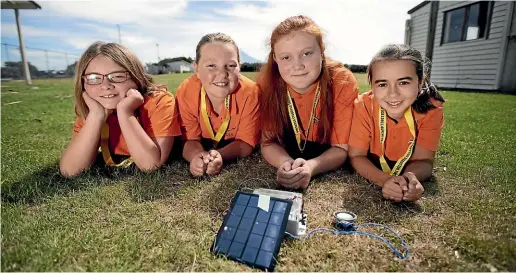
x: 67, y: 173
x: 245, y: 150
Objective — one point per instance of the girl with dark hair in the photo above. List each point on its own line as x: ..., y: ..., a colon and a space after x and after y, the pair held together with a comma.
x: 397, y: 125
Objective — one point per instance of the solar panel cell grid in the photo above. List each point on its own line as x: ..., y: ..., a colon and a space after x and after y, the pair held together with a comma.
x: 250, y: 234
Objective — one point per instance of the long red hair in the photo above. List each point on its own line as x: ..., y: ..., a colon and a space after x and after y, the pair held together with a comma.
x: 274, y: 88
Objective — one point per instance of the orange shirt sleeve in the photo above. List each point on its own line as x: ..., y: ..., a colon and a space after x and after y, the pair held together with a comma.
x: 345, y: 92
x: 188, y: 112
x: 429, y: 130
x: 360, y: 135
x: 159, y: 115
x: 249, y: 126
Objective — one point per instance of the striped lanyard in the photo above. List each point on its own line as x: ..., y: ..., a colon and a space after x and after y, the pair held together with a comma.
x: 294, y: 121
x: 224, y: 126
x: 383, y: 134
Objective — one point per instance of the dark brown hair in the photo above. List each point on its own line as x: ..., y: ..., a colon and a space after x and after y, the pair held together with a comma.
x: 404, y: 52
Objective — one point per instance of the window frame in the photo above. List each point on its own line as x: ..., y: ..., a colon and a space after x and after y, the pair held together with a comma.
x: 465, y: 21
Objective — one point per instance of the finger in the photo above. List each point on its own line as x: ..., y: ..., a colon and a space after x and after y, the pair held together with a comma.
x: 400, y: 180
x: 214, y: 153
x: 410, y: 175
x: 303, y: 182
x: 87, y: 99
x: 211, y: 170
x: 287, y: 165
x: 205, y: 157
x: 198, y: 164
x: 392, y: 198
x: 289, y: 174
x: 412, y: 197
x: 392, y: 193
x: 297, y: 179
x: 299, y: 162
x: 195, y: 169
x: 85, y: 96
x: 132, y: 92
x: 420, y: 188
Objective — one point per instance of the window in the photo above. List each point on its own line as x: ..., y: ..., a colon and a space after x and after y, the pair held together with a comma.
x: 466, y: 23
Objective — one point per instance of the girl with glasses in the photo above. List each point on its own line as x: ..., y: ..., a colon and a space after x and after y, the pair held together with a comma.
x: 120, y: 110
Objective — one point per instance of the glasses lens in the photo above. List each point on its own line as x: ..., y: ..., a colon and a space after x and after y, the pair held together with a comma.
x: 117, y: 77
x: 93, y: 78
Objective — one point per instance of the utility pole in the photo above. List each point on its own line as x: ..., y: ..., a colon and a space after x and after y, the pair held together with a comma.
x: 157, y: 48
x: 46, y: 60
x: 119, y: 37
x: 25, y: 63
x: 6, y: 52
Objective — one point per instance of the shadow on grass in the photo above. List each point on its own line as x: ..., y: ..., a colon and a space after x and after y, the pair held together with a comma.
x: 236, y: 175
x: 48, y: 182
x: 368, y: 203
x: 161, y: 184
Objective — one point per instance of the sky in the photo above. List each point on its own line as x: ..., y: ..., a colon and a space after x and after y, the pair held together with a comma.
x: 354, y: 30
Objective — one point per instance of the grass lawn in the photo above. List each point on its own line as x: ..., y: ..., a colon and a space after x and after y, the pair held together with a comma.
x: 117, y: 221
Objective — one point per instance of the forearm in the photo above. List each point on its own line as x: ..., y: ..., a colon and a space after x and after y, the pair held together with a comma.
x: 368, y: 170
x: 274, y: 154
x: 192, y: 148
x: 237, y: 148
x: 144, y: 151
x: 331, y: 159
x: 421, y: 168
x: 82, y: 149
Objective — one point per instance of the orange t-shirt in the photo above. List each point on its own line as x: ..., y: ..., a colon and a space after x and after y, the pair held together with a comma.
x: 365, y: 131
x: 158, y: 117
x: 345, y: 91
x: 244, y: 112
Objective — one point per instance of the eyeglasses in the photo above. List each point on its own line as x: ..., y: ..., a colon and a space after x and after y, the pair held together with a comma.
x: 114, y: 77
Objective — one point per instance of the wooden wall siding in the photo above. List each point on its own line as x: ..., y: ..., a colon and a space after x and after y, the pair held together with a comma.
x: 419, y: 28
x: 468, y: 64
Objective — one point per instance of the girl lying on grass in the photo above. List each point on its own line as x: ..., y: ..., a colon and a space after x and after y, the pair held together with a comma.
x: 219, y: 108
x: 119, y: 109
x: 309, y: 104
x: 397, y: 125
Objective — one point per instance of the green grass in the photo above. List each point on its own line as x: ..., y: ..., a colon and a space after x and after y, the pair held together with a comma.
x: 128, y: 221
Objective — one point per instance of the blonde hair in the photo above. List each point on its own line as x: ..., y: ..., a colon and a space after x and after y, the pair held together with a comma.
x: 120, y: 55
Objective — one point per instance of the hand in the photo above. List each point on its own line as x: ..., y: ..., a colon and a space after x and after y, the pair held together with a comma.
x: 133, y: 99
x: 285, y: 173
x: 304, y: 175
x: 394, y: 188
x: 415, y: 189
x: 215, y: 164
x: 294, y: 174
x: 199, y: 164
x: 95, y: 108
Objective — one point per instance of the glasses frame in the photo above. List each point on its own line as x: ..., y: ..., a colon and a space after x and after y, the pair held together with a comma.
x: 84, y: 77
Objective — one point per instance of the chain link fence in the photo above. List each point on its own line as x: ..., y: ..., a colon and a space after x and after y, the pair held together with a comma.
x: 43, y: 63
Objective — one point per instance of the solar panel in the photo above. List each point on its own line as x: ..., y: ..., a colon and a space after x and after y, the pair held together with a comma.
x: 250, y: 234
